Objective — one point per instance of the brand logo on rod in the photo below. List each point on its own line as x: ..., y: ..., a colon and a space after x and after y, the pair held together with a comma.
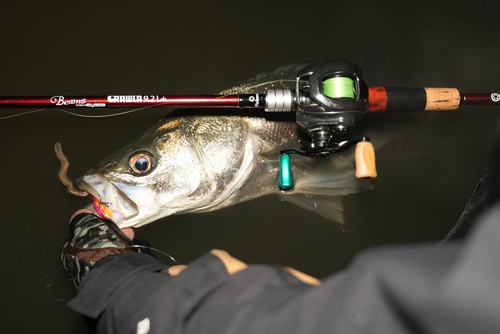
x: 136, y: 98
x: 124, y: 98
x: 61, y: 101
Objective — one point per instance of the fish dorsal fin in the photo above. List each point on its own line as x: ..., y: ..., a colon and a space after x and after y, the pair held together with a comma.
x: 281, y: 78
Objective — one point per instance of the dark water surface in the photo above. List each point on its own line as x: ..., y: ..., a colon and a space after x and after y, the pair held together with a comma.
x: 427, y: 170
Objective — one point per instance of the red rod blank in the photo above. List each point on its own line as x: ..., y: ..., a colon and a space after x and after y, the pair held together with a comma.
x: 480, y: 98
x: 119, y: 101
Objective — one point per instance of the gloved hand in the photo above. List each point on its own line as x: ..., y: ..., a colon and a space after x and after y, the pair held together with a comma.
x: 92, y: 239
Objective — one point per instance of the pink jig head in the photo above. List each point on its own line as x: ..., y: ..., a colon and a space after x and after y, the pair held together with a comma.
x: 102, y: 208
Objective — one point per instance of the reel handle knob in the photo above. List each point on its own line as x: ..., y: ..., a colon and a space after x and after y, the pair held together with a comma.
x: 285, y: 179
x: 364, y: 157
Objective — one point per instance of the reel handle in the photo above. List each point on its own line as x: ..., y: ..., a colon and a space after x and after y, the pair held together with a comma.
x: 364, y: 157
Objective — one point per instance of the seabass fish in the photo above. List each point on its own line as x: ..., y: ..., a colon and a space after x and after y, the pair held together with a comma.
x: 199, y: 163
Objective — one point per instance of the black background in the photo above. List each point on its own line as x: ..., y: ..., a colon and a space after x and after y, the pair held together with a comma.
x: 427, y: 169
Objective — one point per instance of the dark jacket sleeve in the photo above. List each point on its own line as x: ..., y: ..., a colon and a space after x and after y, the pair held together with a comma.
x: 454, y: 288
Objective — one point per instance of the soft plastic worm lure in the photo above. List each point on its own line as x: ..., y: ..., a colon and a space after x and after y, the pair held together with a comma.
x: 64, y: 169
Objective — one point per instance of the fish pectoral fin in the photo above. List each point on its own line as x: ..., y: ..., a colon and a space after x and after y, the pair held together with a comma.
x: 322, y: 192
x: 267, y: 149
x: 292, y: 144
x: 340, y: 181
x: 327, y: 206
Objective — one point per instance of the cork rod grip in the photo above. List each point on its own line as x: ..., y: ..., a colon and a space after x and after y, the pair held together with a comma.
x: 442, y: 98
x: 365, y: 160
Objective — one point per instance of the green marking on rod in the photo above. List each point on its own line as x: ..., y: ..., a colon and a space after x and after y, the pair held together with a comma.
x: 339, y: 87
x: 285, y: 180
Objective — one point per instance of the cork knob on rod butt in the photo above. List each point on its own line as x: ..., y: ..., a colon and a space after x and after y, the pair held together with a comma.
x: 364, y: 157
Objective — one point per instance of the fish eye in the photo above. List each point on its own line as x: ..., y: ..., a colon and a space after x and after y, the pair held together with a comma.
x: 141, y: 163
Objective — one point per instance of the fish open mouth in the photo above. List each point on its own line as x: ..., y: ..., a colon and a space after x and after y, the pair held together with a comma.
x: 108, y: 200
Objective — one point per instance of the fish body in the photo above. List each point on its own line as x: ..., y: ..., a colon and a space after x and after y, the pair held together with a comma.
x: 199, y: 163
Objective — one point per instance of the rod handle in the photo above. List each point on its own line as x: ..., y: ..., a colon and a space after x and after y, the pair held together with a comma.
x: 400, y: 99
x: 364, y: 157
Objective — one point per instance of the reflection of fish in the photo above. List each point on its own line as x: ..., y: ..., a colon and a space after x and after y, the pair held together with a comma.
x: 189, y: 163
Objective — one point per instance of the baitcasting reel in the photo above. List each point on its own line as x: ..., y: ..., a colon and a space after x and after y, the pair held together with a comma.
x: 330, y: 96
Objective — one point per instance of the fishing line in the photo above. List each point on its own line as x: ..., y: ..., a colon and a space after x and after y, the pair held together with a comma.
x: 109, y: 115
x: 22, y: 114
x: 32, y: 285
x: 79, y: 115
x: 338, y: 87
x: 154, y: 249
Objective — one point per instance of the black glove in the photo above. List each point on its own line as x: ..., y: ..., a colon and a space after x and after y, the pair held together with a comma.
x: 91, y: 239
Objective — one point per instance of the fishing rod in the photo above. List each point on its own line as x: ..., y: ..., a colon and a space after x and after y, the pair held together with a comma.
x: 328, y: 99
x: 380, y: 99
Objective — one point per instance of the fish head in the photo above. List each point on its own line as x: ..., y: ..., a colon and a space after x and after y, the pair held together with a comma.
x: 179, y: 165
